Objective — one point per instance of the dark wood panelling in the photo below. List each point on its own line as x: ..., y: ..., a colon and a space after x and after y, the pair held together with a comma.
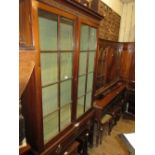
x: 127, y: 63
x: 101, y: 104
x: 26, y: 66
x: 107, y: 64
x: 30, y: 109
x: 111, y: 64
x: 112, y: 67
x: 127, y: 73
x: 75, y: 8
x: 25, y: 31
x: 116, y: 61
x: 25, y: 150
x: 72, y: 149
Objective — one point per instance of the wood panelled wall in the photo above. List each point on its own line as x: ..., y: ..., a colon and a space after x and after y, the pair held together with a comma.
x: 25, y: 31
x: 115, y: 61
x: 110, y: 25
x: 108, y: 63
x: 127, y: 62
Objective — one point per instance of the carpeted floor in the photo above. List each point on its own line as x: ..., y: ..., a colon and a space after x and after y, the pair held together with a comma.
x: 113, y: 145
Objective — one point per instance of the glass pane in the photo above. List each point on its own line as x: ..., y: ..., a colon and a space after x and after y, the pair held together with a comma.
x: 91, y: 61
x: 66, y: 34
x: 90, y: 82
x: 82, y: 63
x: 81, y: 86
x: 84, y: 39
x: 88, y: 101
x: 50, y: 124
x: 66, y: 88
x: 93, y: 36
x: 48, y: 30
x: 49, y: 68
x: 66, y: 65
x: 65, y: 116
x: 49, y: 99
x: 80, y: 106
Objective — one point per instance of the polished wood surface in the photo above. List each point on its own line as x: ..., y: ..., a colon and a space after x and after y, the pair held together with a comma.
x: 86, y: 9
x: 26, y: 66
x: 77, y: 8
x: 111, y: 62
x: 25, y: 30
x: 111, y: 103
x: 101, y: 104
x: 25, y: 150
x: 72, y: 149
x: 66, y: 137
x: 127, y: 62
x: 32, y: 96
x: 122, y: 68
x: 107, y: 64
x: 127, y: 73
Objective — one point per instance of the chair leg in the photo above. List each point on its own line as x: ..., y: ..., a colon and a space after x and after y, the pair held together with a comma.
x: 101, y: 135
x: 110, y: 127
x: 97, y: 134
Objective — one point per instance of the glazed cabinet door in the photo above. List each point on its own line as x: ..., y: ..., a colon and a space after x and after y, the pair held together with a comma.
x: 88, y: 42
x: 56, y: 35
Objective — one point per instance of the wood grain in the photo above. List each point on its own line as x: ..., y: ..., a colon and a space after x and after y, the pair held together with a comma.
x: 108, y: 98
x: 26, y: 66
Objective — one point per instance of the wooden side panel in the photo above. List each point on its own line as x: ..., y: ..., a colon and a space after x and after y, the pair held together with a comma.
x: 25, y: 31
x: 111, y: 61
x: 132, y: 68
x: 26, y: 66
x: 108, y: 66
x: 127, y: 67
x: 30, y: 109
x: 127, y: 74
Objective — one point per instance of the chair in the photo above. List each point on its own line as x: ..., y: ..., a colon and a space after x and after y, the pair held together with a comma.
x: 116, y: 113
x: 105, y: 126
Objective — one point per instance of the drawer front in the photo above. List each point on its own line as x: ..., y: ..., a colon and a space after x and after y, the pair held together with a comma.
x: 72, y: 149
x: 119, y: 97
x: 62, y: 146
